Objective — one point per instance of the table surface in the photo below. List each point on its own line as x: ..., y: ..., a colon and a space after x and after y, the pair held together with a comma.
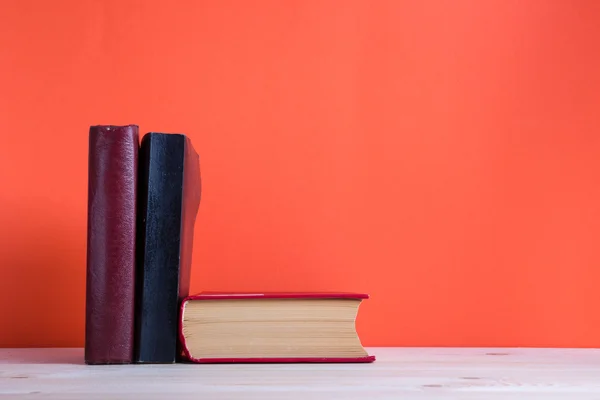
x: 398, y: 373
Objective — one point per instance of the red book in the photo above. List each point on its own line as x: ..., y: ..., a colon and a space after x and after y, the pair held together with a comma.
x: 275, y: 327
x: 110, y: 271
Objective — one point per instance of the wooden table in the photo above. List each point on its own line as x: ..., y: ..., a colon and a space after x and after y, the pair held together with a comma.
x: 398, y: 373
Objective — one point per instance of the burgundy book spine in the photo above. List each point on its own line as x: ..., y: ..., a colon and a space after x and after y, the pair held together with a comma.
x: 111, y: 236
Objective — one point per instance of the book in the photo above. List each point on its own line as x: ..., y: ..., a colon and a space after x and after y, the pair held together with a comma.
x: 291, y: 327
x: 169, y: 199
x: 111, y: 235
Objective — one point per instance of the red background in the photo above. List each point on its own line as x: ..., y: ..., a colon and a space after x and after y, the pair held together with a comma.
x: 442, y: 156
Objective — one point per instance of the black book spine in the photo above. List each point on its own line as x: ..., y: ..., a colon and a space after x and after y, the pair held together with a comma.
x: 169, y: 188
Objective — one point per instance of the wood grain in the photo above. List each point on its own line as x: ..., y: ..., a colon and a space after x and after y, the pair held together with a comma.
x: 398, y: 373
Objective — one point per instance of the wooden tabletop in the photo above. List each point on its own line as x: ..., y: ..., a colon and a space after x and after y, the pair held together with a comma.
x: 398, y: 373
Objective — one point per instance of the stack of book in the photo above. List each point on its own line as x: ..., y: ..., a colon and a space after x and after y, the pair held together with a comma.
x: 143, y: 200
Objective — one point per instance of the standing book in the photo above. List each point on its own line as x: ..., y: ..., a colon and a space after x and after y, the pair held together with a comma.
x: 111, y: 235
x: 169, y: 199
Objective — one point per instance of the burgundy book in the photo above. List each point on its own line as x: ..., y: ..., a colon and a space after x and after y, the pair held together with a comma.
x: 111, y: 236
x: 285, y: 327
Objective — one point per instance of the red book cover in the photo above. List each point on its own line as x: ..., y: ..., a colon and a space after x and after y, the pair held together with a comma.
x: 111, y: 235
x: 268, y: 295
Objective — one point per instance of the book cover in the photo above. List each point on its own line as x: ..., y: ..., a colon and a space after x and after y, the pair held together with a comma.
x: 111, y: 233
x: 169, y: 198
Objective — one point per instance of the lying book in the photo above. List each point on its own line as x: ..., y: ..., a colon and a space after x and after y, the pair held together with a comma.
x: 271, y: 327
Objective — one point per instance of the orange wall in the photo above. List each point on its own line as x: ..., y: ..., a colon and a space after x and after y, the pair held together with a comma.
x: 443, y: 156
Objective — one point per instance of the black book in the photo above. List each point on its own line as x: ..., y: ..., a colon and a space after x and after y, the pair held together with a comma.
x: 168, y: 202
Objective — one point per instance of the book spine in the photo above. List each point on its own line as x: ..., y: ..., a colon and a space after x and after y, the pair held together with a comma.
x: 159, y: 240
x: 111, y: 235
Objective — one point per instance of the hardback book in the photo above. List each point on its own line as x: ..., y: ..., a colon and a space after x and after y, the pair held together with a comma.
x: 111, y: 235
x: 271, y: 328
x: 169, y: 199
